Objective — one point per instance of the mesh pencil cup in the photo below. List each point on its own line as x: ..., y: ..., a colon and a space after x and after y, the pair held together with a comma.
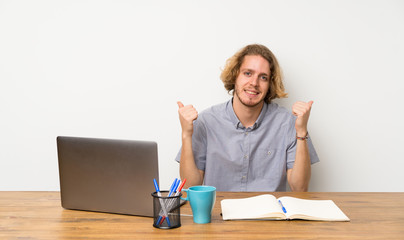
x: 166, y: 210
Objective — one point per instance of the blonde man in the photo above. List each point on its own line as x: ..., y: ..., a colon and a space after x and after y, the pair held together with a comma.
x: 248, y: 143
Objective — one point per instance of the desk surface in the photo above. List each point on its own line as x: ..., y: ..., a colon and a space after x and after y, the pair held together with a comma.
x: 38, y: 215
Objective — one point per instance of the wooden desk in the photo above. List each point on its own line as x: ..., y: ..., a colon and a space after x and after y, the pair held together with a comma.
x: 38, y: 215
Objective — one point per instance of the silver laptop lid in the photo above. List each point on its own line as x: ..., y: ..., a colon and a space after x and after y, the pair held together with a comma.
x: 106, y: 175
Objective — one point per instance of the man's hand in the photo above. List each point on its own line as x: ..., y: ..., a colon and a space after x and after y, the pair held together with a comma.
x: 187, y: 115
x: 302, y: 111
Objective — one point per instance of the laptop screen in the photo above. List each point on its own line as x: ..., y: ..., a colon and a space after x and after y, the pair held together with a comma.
x: 107, y: 175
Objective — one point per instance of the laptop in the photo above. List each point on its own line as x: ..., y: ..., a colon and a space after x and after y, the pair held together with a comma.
x: 107, y: 175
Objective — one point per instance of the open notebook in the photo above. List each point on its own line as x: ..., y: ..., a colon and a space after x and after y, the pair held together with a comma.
x: 266, y: 206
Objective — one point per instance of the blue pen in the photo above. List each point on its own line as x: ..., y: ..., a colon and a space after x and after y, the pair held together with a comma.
x: 177, y: 182
x: 172, y: 188
x: 156, y: 186
x: 283, y: 208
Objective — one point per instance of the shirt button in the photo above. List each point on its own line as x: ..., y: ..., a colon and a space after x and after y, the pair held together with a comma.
x: 246, y: 133
x: 269, y: 153
x: 243, y: 177
x: 245, y: 156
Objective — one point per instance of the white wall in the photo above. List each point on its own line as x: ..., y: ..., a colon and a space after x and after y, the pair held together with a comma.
x: 115, y: 69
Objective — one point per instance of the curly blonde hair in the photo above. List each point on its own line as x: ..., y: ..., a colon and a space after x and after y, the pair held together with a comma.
x: 233, y: 64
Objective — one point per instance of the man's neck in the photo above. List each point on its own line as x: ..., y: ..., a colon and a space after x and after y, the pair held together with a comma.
x: 247, y: 115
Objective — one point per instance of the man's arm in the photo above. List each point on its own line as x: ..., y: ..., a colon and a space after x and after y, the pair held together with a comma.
x: 188, y: 169
x: 299, y: 175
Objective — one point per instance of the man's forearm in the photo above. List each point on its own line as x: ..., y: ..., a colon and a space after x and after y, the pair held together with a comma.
x: 299, y: 176
x: 188, y: 167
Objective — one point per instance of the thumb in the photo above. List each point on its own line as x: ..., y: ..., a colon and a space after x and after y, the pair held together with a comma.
x: 180, y: 105
x: 311, y: 103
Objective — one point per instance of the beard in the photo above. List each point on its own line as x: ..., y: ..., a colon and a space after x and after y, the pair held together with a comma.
x: 238, y: 94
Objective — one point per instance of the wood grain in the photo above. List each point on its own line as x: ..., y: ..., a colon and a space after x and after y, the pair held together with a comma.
x: 39, y: 215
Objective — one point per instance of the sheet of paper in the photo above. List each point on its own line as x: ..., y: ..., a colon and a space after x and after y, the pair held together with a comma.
x: 319, y: 209
x: 250, y: 208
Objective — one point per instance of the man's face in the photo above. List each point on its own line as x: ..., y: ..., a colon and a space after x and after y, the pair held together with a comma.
x: 252, y: 83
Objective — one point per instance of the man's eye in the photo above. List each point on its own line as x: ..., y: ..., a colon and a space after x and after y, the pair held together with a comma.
x: 247, y: 73
x: 265, y: 78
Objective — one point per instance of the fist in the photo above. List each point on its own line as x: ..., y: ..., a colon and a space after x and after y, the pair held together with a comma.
x: 187, y: 116
x: 302, y: 111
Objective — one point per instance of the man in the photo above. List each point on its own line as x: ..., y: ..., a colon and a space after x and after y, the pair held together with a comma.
x: 248, y: 143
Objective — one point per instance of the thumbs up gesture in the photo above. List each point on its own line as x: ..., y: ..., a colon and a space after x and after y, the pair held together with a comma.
x: 302, y: 111
x: 187, y: 115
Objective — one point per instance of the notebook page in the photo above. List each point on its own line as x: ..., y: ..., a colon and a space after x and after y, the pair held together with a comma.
x: 251, y: 208
x: 313, y: 209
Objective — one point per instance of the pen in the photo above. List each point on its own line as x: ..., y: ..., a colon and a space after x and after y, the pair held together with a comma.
x: 180, y: 187
x: 156, y: 186
x: 173, y: 187
x: 283, y: 208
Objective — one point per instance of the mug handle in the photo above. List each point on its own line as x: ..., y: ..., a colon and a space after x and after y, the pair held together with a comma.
x: 185, y: 199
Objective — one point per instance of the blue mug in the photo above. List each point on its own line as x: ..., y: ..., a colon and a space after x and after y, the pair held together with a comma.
x: 202, y: 200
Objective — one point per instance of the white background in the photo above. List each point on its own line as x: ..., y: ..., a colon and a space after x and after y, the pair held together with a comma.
x: 115, y: 69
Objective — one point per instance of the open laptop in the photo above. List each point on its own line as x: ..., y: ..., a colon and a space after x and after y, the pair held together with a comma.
x: 106, y: 175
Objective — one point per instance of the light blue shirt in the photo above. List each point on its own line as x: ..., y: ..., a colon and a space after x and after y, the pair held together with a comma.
x: 236, y: 158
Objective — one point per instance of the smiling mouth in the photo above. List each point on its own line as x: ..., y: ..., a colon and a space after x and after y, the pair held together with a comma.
x: 251, y: 92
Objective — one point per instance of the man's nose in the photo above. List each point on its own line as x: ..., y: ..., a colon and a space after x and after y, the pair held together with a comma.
x: 254, y: 80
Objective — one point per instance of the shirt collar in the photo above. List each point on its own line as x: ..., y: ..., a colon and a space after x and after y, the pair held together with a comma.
x: 236, y: 122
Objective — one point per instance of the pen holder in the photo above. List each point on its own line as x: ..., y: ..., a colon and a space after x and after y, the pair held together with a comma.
x: 166, y: 210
